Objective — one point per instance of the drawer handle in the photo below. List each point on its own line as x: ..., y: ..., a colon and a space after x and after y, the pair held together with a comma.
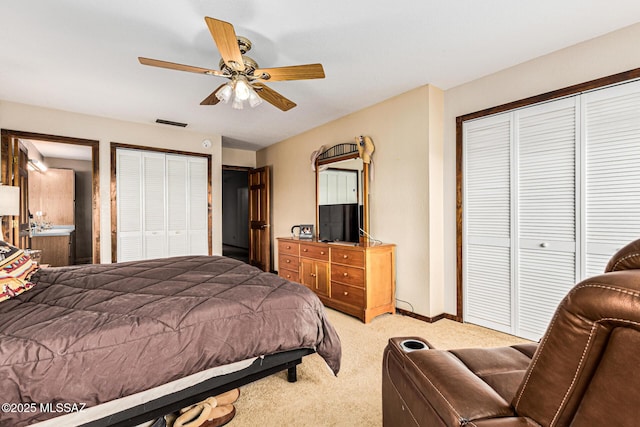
x: 346, y: 293
x: 305, y: 250
x: 321, y: 252
x: 288, y: 276
x: 345, y: 274
x: 288, y: 261
x: 288, y: 247
x: 345, y: 256
x: 313, y: 275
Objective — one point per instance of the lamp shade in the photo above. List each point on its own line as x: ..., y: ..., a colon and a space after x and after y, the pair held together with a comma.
x: 9, y: 200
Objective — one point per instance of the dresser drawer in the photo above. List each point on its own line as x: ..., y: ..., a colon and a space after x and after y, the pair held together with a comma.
x: 289, y: 275
x: 288, y: 262
x: 289, y: 248
x: 348, y: 257
x: 347, y: 294
x: 316, y: 252
x: 349, y: 275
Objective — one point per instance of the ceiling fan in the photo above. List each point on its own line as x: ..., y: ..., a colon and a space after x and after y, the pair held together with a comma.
x: 246, y: 79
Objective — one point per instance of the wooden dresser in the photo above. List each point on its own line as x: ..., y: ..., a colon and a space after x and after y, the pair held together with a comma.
x: 357, y: 280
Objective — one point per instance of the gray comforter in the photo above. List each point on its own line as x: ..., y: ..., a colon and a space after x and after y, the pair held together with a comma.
x: 91, y: 334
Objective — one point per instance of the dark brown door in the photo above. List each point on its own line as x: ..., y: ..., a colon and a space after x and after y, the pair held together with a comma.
x: 260, y: 218
x: 15, y: 173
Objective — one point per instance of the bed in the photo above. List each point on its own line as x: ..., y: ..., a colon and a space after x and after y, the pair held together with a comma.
x: 87, y: 335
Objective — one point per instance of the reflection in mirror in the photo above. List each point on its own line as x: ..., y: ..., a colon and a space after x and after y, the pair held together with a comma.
x: 340, y: 201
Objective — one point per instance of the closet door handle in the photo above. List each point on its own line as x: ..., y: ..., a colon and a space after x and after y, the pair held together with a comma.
x: 544, y: 245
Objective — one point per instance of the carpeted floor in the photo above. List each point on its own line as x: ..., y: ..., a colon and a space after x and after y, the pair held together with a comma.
x: 353, y: 398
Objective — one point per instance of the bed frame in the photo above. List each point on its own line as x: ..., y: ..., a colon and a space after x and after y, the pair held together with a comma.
x: 260, y: 368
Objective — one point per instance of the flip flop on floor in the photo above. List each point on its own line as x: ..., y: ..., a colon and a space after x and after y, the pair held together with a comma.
x: 212, y: 401
x: 220, y: 400
x: 195, y: 416
x: 228, y: 398
x: 222, y: 415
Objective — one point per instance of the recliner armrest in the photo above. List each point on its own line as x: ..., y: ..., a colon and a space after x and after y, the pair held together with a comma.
x: 454, y: 392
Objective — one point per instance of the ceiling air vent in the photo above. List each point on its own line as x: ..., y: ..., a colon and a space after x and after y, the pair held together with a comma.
x: 169, y: 122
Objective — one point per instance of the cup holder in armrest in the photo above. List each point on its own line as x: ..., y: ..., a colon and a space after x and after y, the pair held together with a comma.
x: 413, y: 345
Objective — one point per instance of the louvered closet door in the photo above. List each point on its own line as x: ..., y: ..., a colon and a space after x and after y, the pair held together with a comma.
x: 198, y: 206
x: 129, y: 205
x: 612, y: 150
x: 487, y: 274
x: 177, y: 206
x: 154, y: 205
x: 546, y: 212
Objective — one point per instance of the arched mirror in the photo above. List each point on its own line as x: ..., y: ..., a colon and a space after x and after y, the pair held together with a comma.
x: 342, y: 188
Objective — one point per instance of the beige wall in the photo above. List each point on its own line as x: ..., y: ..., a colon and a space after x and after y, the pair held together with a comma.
x: 236, y: 157
x: 606, y: 55
x: 414, y: 192
x: 399, y: 200
x: 26, y: 118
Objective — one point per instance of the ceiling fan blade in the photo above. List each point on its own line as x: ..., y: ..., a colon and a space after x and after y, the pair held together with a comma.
x: 212, y: 99
x: 294, y: 72
x: 179, y: 67
x: 273, y: 97
x: 225, y: 37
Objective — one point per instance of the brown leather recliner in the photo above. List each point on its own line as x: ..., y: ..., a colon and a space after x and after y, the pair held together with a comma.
x: 584, y: 372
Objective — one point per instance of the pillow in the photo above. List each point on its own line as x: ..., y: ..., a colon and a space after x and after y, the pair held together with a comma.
x: 15, y: 270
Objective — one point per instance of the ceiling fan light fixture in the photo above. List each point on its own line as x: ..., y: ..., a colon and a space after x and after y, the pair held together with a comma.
x: 224, y: 94
x: 237, y: 104
x: 243, y: 71
x: 243, y: 90
x: 254, y: 99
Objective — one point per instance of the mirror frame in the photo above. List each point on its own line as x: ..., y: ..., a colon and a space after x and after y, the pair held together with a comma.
x: 338, y: 153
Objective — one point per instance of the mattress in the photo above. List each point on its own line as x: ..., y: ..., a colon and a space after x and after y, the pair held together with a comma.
x: 92, y: 334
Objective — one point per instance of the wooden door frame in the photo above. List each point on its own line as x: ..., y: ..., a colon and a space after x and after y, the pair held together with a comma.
x: 113, y: 190
x: 268, y: 252
x: 5, y: 137
x: 248, y: 169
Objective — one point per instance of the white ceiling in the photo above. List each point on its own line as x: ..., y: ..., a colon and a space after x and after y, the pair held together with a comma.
x: 81, y: 55
x: 48, y: 149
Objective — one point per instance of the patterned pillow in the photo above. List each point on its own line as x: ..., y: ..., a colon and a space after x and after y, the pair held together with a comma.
x: 15, y: 270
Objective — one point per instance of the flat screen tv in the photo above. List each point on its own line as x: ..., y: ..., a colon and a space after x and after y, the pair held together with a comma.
x: 339, y: 223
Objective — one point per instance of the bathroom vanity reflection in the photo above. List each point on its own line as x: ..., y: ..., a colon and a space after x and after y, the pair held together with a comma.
x: 52, y: 206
